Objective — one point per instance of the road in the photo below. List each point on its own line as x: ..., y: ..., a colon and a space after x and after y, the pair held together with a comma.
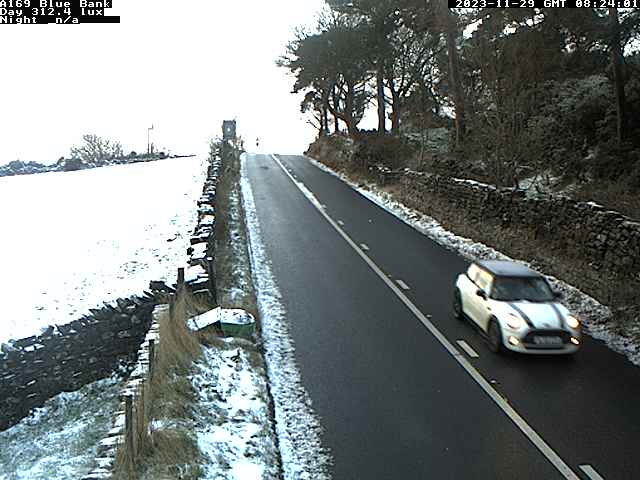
x: 368, y: 299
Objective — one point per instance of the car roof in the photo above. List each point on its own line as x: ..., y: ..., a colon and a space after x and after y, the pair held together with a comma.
x: 504, y: 268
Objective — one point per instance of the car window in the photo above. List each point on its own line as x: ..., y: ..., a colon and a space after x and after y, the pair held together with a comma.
x: 483, y: 280
x: 472, y: 272
x: 533, y: 289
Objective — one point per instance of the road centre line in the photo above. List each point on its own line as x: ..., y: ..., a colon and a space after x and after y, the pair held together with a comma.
x: 591, y: 472
x: 403, y: 285
x: 467, y: 348
x: 513, y: 415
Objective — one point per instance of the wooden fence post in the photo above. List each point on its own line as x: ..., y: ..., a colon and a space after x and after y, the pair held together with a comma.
x: 212, y: 278
x: 128, y: 427
x: 172, y: 306
x: 152, y: 357
x: 180, y: 285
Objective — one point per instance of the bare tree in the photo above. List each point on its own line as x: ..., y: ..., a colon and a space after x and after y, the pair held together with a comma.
x: 95, y: 149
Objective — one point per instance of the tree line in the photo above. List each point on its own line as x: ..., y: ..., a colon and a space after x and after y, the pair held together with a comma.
x: 522, y: 86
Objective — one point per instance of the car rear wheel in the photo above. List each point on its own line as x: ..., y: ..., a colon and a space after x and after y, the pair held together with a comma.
x: 495, y: 337
x: 457, y: 305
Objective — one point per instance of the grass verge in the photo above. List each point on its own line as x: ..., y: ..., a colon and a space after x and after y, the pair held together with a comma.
x: 165, y: 444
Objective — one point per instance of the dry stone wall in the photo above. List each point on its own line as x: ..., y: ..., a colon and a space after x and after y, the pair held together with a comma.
x: 200, y: 281
x: 606, y: 239
x: 66, y: 357
x: 63, y: 358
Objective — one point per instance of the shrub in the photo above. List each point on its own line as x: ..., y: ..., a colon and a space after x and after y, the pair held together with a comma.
x: 390, y: 151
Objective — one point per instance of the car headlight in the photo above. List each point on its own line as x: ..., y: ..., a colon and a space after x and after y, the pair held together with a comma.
x: 514, y: 322
x: 572, y: 321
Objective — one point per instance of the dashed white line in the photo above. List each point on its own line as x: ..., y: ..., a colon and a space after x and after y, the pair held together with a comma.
x: 403, y: 285
x: 590, y: 472
x: 341, y: 223
x: 364, y: 247
x: 509, y: 411
x: 467, y: 348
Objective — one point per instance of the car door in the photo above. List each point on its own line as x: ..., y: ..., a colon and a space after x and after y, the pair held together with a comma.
x: 471, y: 300
x: 482, y: 309
x: 468, y: 290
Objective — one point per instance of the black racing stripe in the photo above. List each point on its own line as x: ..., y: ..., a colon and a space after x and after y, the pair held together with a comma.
x: 522, y: 314
x: 558, y: 314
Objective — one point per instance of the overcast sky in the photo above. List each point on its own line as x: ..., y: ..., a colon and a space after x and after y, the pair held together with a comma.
x: 183, y: 66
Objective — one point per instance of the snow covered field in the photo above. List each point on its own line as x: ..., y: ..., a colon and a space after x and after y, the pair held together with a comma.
x: 59, y: 441
x: 71, y: 241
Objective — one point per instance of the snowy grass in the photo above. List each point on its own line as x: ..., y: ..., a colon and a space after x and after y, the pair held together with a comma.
x: 210, y: 414
x: 233, y: 269
x: 164, y: 427
x: 59, y: 441
x: 297, y: 426
x: 74, y: 240
x: 591, y: 312
x: 233, y: 424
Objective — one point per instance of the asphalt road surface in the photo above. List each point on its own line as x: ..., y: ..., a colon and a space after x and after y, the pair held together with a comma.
x: 368, y: 299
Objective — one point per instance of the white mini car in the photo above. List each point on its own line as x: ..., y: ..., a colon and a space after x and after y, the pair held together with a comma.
x: 516, y: 309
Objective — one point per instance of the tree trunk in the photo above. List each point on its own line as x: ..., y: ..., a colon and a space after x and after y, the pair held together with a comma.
x: 618, y: 80
x: 325, y: 112
x: 395, y: 112
x: 349, y: 101
x: 325, y: 121
x: 336, y: 118
x: 454, y: 77
x: 380, y: 98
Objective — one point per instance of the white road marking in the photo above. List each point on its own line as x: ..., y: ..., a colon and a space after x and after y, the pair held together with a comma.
x: 514, y: 416
x: 590, y: 472
x: 341, y: 223
x: 403, y: 285
x: 364, y: 247
x: 467, y: 348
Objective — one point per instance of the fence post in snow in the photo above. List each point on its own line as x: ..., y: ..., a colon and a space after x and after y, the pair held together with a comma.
x: 172, y: 306
x: 152, y: 357
x: 180, y: 285
x: 128, y: 426
x: 212, y: 282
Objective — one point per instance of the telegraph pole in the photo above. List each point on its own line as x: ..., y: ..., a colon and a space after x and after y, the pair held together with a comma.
x: 149, y: 139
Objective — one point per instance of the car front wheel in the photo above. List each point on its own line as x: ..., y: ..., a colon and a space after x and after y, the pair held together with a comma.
x: 495, y: 337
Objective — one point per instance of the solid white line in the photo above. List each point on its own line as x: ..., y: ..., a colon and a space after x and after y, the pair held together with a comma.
x: 515, y: 417
x: 364, y: 247
x: 590, y: 472
x: 403, y: 285
x: 467, y: 348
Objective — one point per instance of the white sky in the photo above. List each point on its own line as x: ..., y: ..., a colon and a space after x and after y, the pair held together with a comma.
x: 183, y: 66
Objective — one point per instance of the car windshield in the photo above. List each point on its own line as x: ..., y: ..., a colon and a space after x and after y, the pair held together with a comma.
x: 532, y: 289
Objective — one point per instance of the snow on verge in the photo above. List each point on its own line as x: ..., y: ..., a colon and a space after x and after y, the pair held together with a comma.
x: 592, y: 313
x: 59, y: 441
x: 298, y: 429
x: 233, y: 427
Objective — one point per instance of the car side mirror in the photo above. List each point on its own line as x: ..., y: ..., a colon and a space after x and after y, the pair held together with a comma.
x: 557, y: 294
x: 481, y: 293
